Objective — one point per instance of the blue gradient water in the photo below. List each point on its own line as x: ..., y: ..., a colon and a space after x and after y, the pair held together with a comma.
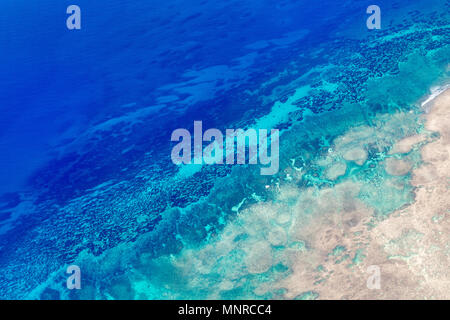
x: 86, y: 117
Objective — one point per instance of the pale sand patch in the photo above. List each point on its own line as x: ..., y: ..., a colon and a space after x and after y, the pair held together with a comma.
x: 408, y: 144
x: 397, y: 167
x: 335, y: 171
x: 357, y: 155
x: 411, y: 247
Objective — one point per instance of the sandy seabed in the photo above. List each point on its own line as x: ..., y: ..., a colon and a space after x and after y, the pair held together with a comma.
x: 411, y: 248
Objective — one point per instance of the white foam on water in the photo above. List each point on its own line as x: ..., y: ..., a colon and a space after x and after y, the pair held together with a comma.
x: 434, y: 93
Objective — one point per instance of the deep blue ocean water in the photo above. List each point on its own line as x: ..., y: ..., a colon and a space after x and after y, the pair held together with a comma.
x: 86, y: 117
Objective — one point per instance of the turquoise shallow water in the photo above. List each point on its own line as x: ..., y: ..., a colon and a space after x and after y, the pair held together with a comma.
x: 106, y: 197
